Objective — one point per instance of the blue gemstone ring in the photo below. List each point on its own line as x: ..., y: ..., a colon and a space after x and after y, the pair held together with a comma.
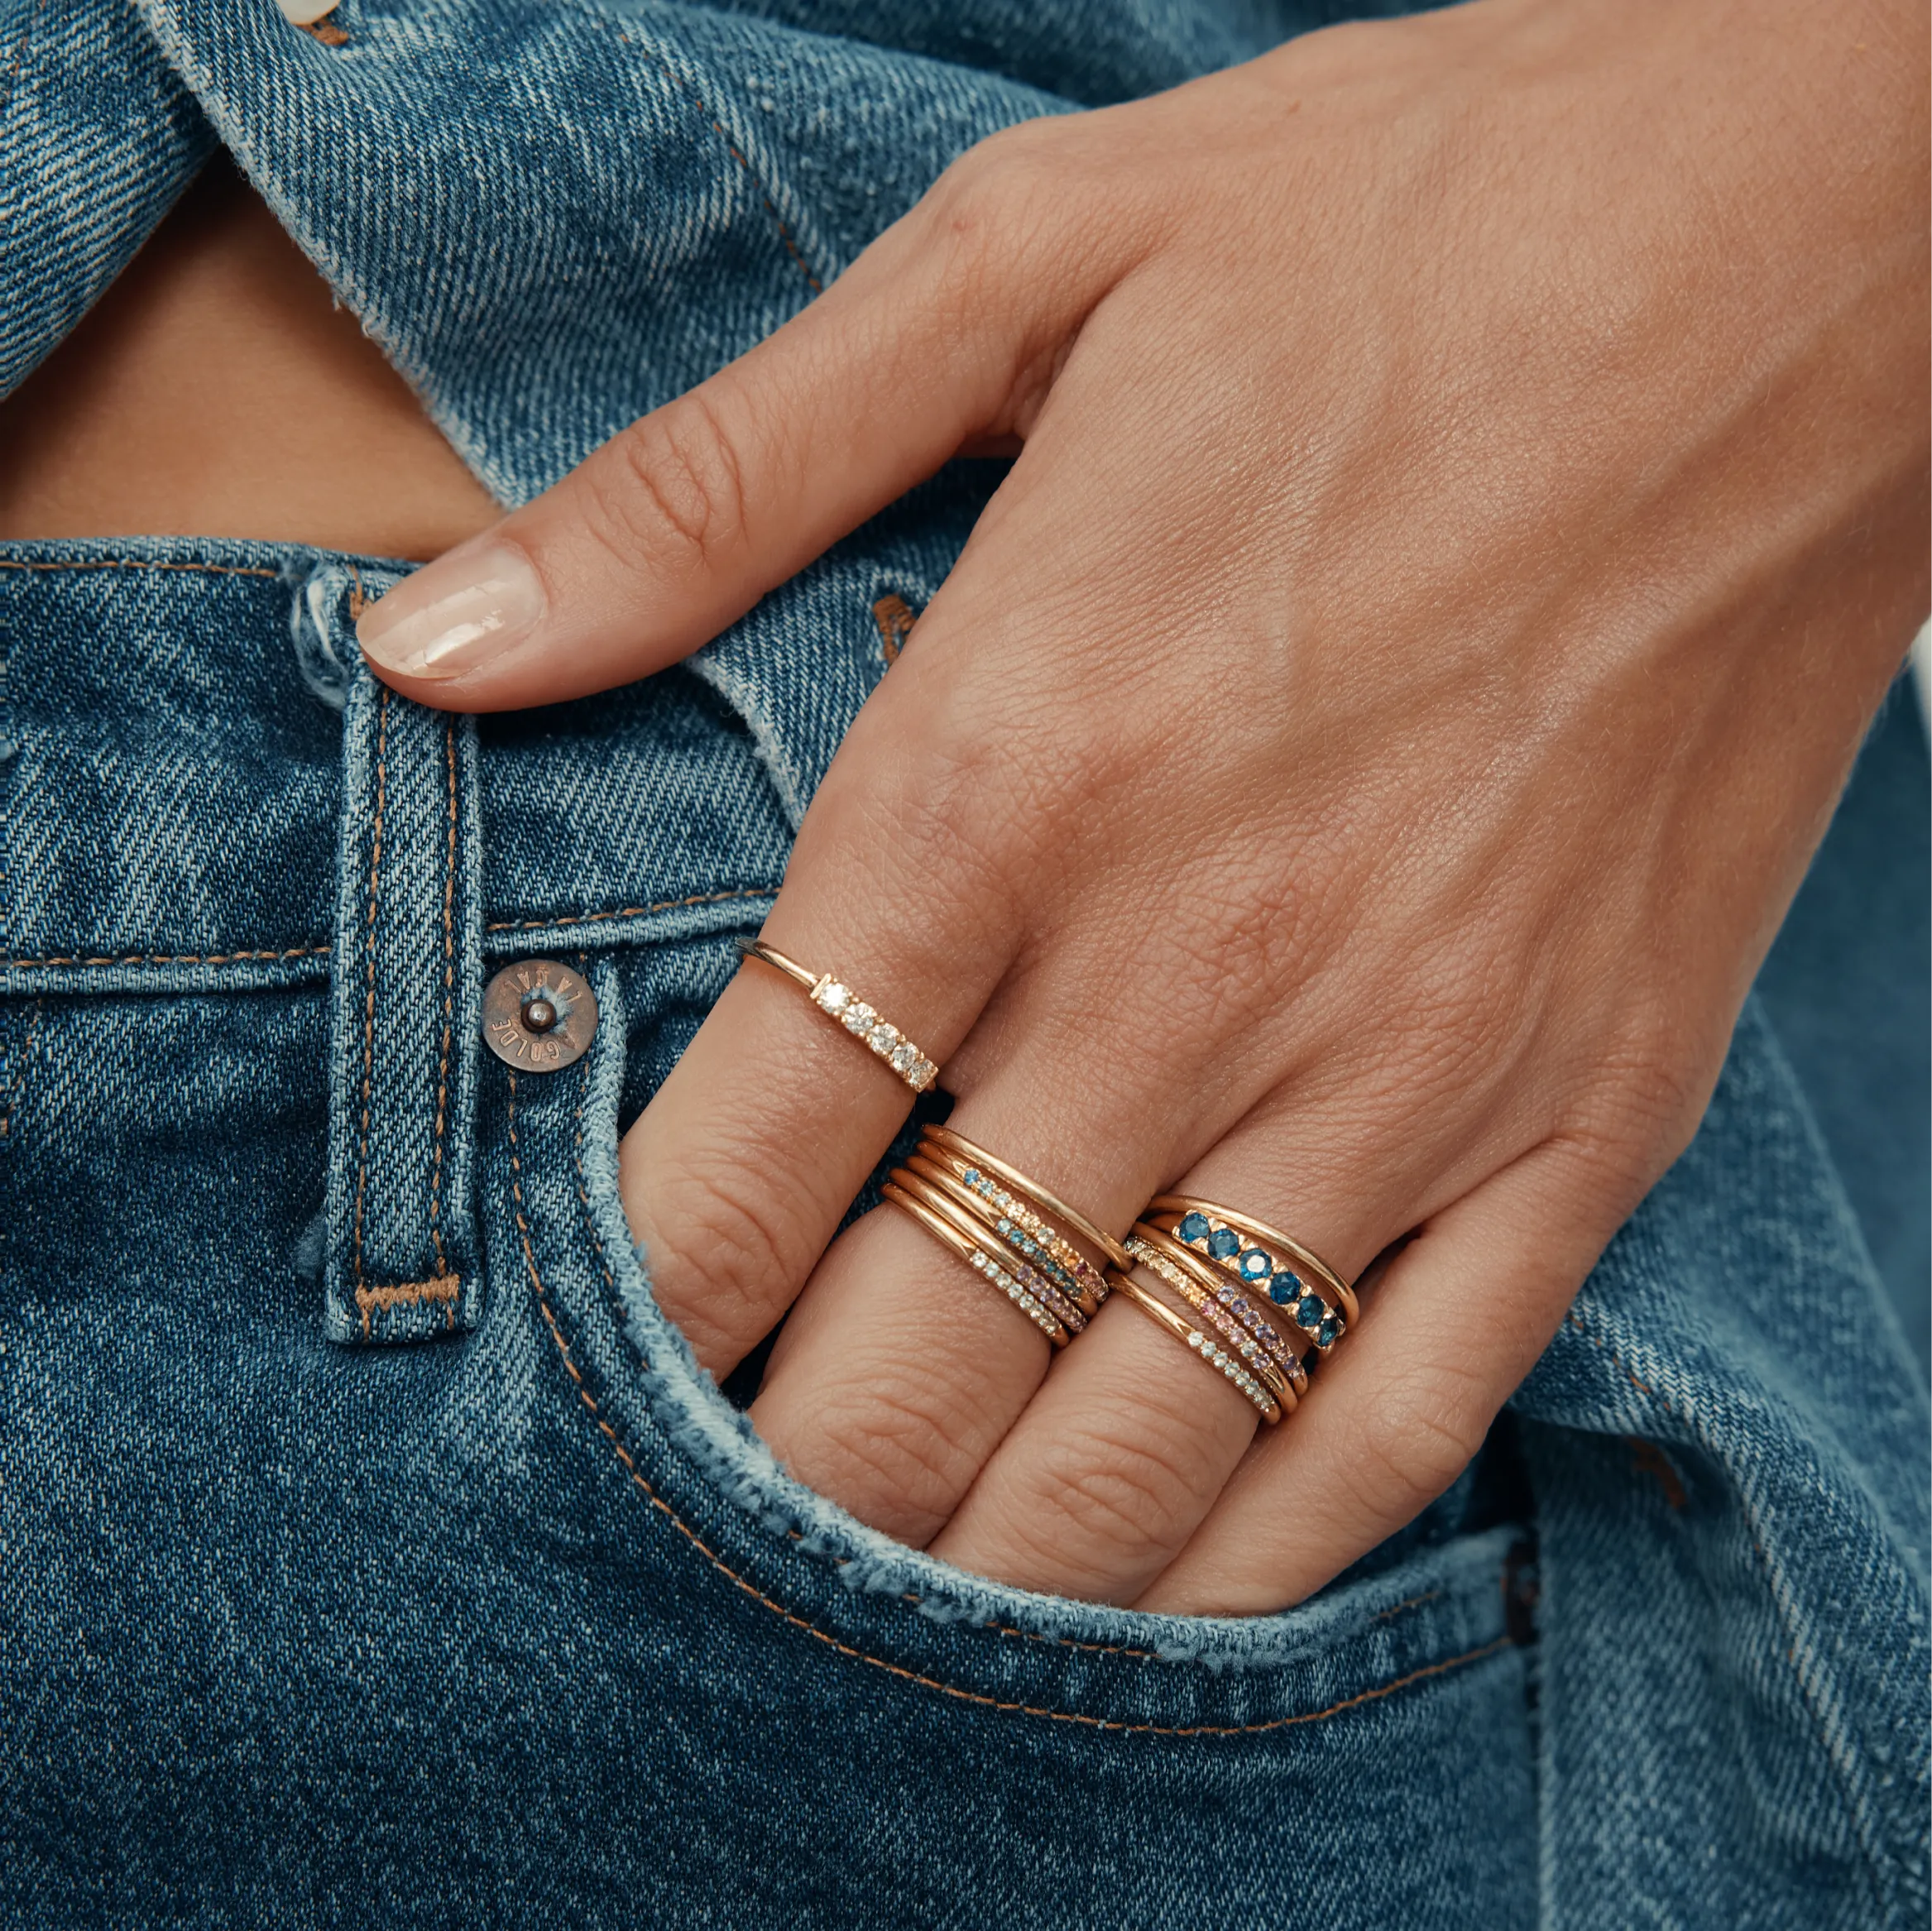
x: 1271, y: 1263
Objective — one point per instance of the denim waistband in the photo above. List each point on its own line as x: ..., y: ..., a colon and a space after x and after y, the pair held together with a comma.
x: 175, y: 718
x: 206, y: 790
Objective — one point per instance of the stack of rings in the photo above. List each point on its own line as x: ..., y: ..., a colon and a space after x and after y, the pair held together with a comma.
x: 1243, y: 1277
x: 1010, y: 1230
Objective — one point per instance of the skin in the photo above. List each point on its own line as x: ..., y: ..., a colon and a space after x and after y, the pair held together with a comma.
x: 1472, y: 493
x: 217, y: 389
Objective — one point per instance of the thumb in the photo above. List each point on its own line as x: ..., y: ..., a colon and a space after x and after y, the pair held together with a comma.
x: 681, y: 522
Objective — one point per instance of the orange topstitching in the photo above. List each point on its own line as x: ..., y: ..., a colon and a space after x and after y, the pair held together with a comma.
x: 172, y: 958
x: 731, y: 148
x: 561, y: 918
x: 448, y: 1008
x: 136, y: 563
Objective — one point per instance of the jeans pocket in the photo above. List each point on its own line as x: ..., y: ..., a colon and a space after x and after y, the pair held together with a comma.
x: 1402, y: 1681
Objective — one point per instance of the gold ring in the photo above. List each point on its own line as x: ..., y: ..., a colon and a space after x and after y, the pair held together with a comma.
x: 982, y: 1263
x: 1206, y: 1289
x: 952, y: 1143
x: 1019, y: 1217
x: 1059, y: 1288
x: 1265, y: 1260
x: 1198, y: 1342
x: 964, y: 1214
x: 837, y: 1001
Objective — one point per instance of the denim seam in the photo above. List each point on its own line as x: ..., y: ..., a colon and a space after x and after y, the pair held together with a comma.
x: 175, y: 958
x: 140, y: 564
x: 1854, y: 1807
x: 632, y: 910
x: 799, y: 1622
x: 731, y: 147
x: 369, y: 996
x: 324, y: 946
x: 442, y: 1267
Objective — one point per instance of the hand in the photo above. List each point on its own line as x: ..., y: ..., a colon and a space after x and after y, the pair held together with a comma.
x: 1472, y: 495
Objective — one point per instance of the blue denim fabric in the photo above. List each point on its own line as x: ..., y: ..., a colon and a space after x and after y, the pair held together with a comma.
x: 1845, y: 986
x: 371, y: 1551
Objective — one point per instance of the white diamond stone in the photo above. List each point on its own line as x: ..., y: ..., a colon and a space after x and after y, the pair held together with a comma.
x: 883, y: 1037
x: 834, y: 998
x: 858, y: 1018
x: 905, y: 1057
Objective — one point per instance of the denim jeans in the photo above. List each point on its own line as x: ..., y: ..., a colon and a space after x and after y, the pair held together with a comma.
x: 371, y: 1550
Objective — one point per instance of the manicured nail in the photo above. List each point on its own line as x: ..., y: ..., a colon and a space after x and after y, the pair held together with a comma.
x: 463, y: 610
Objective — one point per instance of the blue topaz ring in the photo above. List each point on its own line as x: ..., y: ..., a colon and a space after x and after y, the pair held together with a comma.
x: 837, y: 1001
x: 1276, y: 1269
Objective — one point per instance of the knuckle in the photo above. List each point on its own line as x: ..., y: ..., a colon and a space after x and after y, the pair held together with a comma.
x: 998, y: 206
x: 948, y: 800
x: 670, y: 487
x: 1017, y: 167
x: 1113, y: 1504
x: 1231, y: 954
x: 724, y: 1250
x: 1422, y: 1430
x: 904, y: 1452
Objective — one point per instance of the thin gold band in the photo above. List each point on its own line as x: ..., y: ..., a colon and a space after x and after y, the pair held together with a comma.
x: 980, y: 1261
x: 838, y: 1002
x: 986, y: 1215
x: 1028, y: 1224
x: 1196, y: 1342
x: 959, y: 1143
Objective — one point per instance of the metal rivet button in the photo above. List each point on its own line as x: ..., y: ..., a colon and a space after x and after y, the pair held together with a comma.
x: 538, y: 1016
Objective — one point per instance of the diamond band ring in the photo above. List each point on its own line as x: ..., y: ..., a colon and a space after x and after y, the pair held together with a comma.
x: 1209, y: 1347
x: 837, y: 1001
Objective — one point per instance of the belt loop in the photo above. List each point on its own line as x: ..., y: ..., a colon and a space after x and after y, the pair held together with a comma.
x: 402, y: 1253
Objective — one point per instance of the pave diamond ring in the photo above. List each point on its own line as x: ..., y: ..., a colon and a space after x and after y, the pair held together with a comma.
x: 837, y: 1001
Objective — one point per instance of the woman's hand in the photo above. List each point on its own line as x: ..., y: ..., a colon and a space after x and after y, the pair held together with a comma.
x: 1472, y: 495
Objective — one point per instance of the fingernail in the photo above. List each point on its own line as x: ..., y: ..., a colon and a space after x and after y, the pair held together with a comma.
x: 465, y: 610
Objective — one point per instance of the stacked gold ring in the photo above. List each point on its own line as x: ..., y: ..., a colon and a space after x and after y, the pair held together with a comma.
x: 977, y: 1253
x: 1273, y: 1268
x: 1198, y: 1341
x: 1251, y: 1284
x: 1255, y: 1338
x: 1003, y: 1226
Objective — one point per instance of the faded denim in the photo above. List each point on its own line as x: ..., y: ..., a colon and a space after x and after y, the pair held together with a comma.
x: 331, y: 1595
